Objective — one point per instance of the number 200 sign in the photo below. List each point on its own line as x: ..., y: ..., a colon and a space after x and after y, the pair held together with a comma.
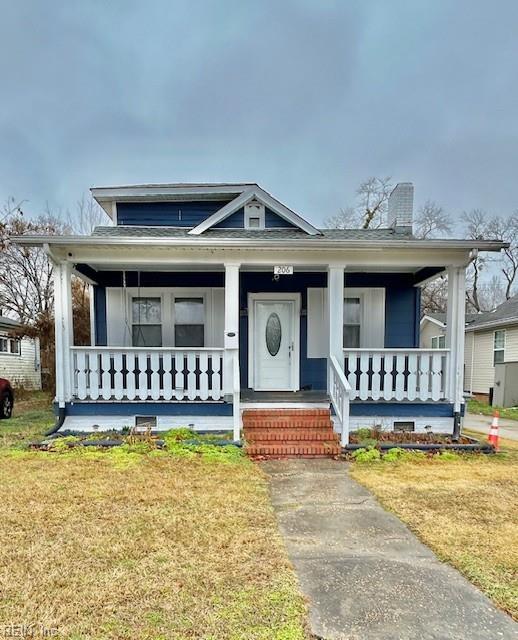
x: 283, y: 270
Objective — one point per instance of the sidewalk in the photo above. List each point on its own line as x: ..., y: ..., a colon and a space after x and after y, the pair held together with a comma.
x: 480, y: 424
x: 366, y: 576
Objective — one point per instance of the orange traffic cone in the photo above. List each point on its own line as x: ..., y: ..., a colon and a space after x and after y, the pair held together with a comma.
x: 493, y: 431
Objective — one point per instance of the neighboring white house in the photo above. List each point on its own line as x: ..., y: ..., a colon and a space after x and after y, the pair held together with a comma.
x: 19, y: 357
x: 208, y: 299
x: 492, y: 338
x: 433, y: 331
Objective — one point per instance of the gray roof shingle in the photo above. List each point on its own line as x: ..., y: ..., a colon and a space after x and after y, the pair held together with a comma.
x: 126, y: 231
x: 506, y: 312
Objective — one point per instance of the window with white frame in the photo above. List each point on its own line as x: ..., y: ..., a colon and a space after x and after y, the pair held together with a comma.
x: 352, y: 322
x: 146, y: 316
x: 10, y: 345
x: 439, y: 342
x: 498, y: 346
x: 189, y: 321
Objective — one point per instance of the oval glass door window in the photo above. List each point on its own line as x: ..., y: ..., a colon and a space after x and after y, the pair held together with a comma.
x: 273, y: 334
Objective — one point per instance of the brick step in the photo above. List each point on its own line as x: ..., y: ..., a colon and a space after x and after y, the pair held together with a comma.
x: 285, y: 412
x: 287, y: 423
x: 300, y: 450
x: 291, y: 435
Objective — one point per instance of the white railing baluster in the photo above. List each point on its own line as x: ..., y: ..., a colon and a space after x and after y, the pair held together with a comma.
x: 142, y: 387
x: 204, y: 376
x: 364, y: 376
x: 339, y: 392
x: 131, y: 380
x: 191, y: 376
x: 396, y: 374
x: 106, y: 383
x: 79, y: 367
x: 167, y: 381
x: 118, y: 387
x: 217, y: 364
x: 411, y: 382
x: 155, y: 376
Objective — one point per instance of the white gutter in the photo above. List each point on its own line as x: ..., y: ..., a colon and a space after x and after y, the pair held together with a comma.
x: 286, y: 243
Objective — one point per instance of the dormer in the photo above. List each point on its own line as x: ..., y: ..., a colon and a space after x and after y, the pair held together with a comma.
x: 198, y: 207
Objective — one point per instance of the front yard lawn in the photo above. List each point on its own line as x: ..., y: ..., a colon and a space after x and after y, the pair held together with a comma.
x: 465, y: 509
x: 476, y: 406
x: 114, y: 544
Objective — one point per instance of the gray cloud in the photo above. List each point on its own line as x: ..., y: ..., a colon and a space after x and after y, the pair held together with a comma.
x: 305, y: 97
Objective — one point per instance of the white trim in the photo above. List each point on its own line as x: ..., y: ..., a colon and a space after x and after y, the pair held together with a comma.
x: 433, y: 320
x: 504, y: 331
x: 295, y: 358
x: 263, y: 197
x: 254, y: 210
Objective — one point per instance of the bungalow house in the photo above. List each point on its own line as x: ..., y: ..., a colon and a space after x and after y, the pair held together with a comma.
x: 19, y: 357
x: 212, y: 303
x: 491, y: 339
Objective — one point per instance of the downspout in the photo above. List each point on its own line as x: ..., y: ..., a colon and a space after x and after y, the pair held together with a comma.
x: 59, y: 422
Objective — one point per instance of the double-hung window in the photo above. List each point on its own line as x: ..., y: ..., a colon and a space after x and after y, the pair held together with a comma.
x: 10, y: 345
x: 4, y: 345
x: 352, y: 323
x: 189, y: 321
x: 439, y: 342
x: 498, y: 346
x: 146, y: 316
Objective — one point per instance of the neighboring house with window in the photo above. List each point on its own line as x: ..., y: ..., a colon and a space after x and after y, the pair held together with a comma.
x: 433, y: 329
x: 19, y: 357
x: 491, y: 339
x: 211, y: 301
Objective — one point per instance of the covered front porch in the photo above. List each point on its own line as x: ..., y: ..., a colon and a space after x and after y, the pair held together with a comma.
x: 195, y: 342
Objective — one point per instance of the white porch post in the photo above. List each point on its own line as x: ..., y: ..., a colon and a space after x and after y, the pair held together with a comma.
x: 64, y: 331
x: 232, y: 384
x: 335, y: 310
x: 335, y: 313
x: 455, y: 324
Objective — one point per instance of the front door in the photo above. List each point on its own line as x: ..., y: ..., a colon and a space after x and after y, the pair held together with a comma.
x: 275, y: 345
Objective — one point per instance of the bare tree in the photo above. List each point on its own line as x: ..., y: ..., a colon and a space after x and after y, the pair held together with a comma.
x: 506, y: 229
x: 87, y: 215
x: 432, y: 221
x: 475, y: 222
x: 434, y: 296
x: 370, y: 209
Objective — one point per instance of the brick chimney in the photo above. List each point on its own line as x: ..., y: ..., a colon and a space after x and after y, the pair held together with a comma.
x: 401, y: 208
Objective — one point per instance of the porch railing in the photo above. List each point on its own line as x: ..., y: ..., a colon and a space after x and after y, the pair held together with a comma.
x: 339, y: 393
x: 141, y: 373
x: 397, y: 374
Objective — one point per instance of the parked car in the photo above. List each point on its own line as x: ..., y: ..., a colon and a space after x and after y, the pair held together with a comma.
x: 6, y: 399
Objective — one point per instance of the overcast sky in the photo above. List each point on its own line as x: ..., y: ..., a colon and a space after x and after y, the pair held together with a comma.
x: 305, y: 97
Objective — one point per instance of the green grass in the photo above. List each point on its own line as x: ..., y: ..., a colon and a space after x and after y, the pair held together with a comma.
x: 476, y: 406
x: 464, y: 507
x: 130, y: 543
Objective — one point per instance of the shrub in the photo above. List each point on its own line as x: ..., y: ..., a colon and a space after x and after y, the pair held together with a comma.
x: 363, y: 433
x: 397, y: 454
x: 367, y: 455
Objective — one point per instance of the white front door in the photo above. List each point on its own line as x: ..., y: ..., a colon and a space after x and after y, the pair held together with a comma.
x: 275, y: 349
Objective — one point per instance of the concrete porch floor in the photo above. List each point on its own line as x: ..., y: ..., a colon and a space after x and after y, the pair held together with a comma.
x: 367, y: 577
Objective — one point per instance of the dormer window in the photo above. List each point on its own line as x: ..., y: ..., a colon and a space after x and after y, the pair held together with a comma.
x: 254, y: 215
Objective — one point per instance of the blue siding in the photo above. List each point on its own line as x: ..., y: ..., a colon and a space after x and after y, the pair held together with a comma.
x: 403, y: 409
x: 148, y: 409
x: 401, y: 317
x: 237, y: 221
x: 402, y: 305
x: 173, y: 214
x: 101, y: 336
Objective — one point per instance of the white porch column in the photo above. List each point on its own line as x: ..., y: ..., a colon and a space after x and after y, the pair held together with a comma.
x: 335, y: 311
x: 64, y: 331
x: 455, y: 324
x: 232, y: 384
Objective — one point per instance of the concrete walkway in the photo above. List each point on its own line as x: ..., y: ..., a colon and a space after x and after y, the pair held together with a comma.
x: 366, y: 576
x: 480, y: 424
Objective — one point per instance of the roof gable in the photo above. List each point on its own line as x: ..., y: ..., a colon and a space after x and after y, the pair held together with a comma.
x: 255, y: 193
